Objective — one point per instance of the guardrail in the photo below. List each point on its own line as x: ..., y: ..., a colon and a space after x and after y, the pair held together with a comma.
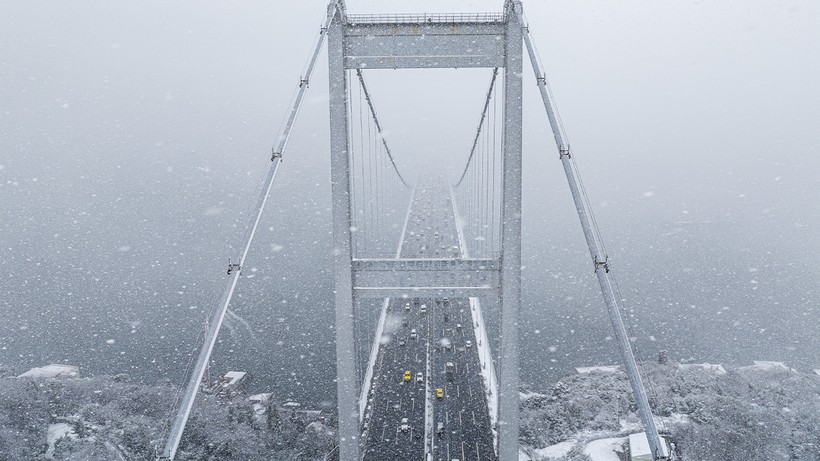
x: 413, y: 18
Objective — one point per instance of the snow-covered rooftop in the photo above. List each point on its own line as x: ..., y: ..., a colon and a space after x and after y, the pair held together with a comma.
x: 639, y: 447
x: 717, y: 369
x: 261, y: 397
x: 234, y: 377
x: 55, y: 370
x: 598, y: 369
x: 767, y: 365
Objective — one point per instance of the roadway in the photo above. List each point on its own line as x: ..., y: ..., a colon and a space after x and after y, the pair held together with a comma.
x: 443, y: 333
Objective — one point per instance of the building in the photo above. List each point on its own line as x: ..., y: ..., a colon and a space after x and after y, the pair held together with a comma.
x: 55, y: 370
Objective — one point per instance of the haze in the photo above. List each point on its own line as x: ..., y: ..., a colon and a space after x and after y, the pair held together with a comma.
x: 133, y: 137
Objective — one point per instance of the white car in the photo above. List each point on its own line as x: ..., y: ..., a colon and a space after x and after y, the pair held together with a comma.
x: 419, y: 377
x: 468, y: 344
x: 423, y: 309
x: 413, y: 334
x: 405, y: 425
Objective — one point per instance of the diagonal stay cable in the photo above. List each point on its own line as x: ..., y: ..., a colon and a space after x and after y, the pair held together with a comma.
x: 480, y: 124
x: 379, y: 126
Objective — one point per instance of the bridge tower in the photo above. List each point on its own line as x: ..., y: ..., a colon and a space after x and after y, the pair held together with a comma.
x: 357, y: 42
x: 429, y: 42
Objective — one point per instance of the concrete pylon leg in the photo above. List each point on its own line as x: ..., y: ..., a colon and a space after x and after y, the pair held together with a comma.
x: 510, y: 242
x: 342, y: 248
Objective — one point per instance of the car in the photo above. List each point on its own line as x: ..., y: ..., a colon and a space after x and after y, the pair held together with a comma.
x: 408, y: 375
x: 423, y: 309
x: 413, y: 334
x: 468, y: 344
x: 419, y: 377
x: 440, y: 428
x: 407, y: 307
x: 459, y: 326
x: 401, y: 342
x: 405, y: 425
x: 440, y: 393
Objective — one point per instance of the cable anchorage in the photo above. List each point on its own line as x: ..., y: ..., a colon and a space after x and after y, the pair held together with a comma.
x: 234, y: 267
x: 564, y: 153
x: 602, y: 264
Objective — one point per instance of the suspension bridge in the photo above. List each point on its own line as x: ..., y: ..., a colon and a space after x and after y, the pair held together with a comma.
x: 437, y: 261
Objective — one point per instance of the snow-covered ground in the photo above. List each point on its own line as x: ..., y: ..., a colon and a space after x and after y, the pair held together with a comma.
x: 485, y: 356
x: 577, y: 415
x: 768, y: 365
x: 605, y: 449
x: 557, y: 451
x: 717, y: 369
x: 54, y: 433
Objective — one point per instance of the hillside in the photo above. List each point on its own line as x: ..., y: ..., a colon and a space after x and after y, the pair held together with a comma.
x: 761, y: 412
x: 107, y: 418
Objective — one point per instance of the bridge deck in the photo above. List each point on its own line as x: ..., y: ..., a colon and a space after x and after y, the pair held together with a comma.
x: 444, y: 334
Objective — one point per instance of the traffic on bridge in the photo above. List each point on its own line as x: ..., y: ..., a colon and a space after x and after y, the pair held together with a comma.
x: 428, y: 394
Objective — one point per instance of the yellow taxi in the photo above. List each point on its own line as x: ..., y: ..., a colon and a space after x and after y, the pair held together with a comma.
x: 440, y: 392
x: 407, y: 375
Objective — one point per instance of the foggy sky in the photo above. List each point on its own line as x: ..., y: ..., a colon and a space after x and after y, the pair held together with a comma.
x: 133, y: 137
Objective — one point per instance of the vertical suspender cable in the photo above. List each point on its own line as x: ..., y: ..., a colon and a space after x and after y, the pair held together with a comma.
x: 376, y: 161
x: 480, y: 192
x: 379, y: 127
x: 355, y: 204
x: 493, y: 236
x: 480, y: 124
x: 483, y: 190
x: 485, y: 176
x: 364, y: 232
